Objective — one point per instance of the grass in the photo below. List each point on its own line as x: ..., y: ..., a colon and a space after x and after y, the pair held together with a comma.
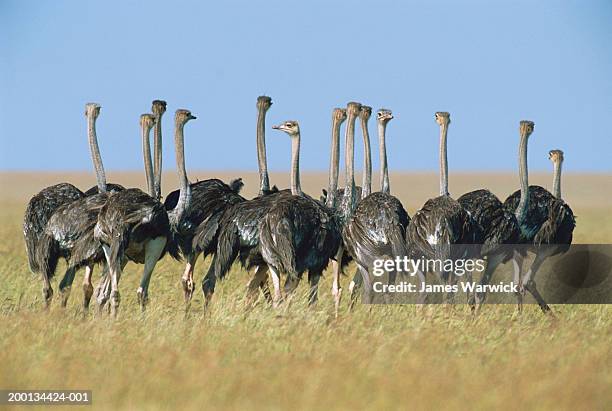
x: 231, y: 357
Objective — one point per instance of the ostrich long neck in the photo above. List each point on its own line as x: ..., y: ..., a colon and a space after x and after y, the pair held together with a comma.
x: 349, y: 188
x: 443, y: 160
x: 557, y: 179
x: 157, y: 153
x: 146, y: 155
x: 334, y: 162
x: 366, y: 185
x: 296, y: 187
x: 382, y: 147
x: 264, y: 181
x: 185, y: 191
x: 95, y: 153
x: 521, y: 210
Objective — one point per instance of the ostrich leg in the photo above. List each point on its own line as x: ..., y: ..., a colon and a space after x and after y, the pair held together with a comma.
x: 114, y: 275
x: 290, y: 286
x: 276, y: 296
x: 313, y: 281
x: 355, y: 285
x: 153, y: 251
x: 88, y: 286
x: 517, y: 263
x: 258, y: 279
x: 336, y: 288
x: 66, y: 285
x: 479, y: 298
x: 187, y: 279
x: 528, y: 280
x: 47, y: 291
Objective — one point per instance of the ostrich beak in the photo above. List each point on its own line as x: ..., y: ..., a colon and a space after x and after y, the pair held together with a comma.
x: 192, y: 117
x: 276, y: 127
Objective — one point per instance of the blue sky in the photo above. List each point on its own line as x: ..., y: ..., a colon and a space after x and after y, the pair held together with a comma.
x: 489, y: 65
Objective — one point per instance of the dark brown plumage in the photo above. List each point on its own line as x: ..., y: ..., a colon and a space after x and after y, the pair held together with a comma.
x: 376, y: 230
x: 299, y: 234
x: 133, y: 225
x: 497, y: 224
x: 440, y: 223
x: 39, y: 210
x: 110, y: 187
x: 196, y: 229
x: 239, y: 237
x: 499, y: 229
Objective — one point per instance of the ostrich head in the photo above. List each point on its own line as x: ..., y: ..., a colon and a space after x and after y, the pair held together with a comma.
x: 158, y: 107
x: 92, y: 110
x: 182, y: 116
x: 365, y: 113
x: 443, y: 118
x: 384, y: 116
x: 526, y: 127
x: 147, y: 121
x: 264, y: 103
x: 556, y: 156
x: 290, y: 127
x: 353, y: 109
x: 339, y: 114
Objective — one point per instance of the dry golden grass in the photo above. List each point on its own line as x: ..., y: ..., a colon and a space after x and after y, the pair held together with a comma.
x: 383, y: 357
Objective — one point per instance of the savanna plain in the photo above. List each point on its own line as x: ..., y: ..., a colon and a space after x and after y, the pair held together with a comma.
x: 236, y: 357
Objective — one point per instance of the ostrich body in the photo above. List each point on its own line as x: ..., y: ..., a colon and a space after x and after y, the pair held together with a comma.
x: 134, y: 225
x: 442, y: 221
x: 297, y: 233
x: 499, y: 229
x: 377, y: 229
x: 69, y: 232
x: 544, y: 218
x: 38, y: 212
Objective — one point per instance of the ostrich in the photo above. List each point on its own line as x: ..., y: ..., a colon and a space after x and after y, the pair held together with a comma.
x: 442, y: 222
x: 499, y: 229
x: 206, y: 235
x: 69, y: 230
x: 498, y: 225
x: 297, y: 233
x: 546, y: 222
x: 196, y: 209
x: 41, y: 207
x: 195, y: 220
x: 134, y: 225
x: 238, y: 233
x: 377, y: 229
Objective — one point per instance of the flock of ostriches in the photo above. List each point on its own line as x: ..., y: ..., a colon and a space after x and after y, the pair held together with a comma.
x: 283, y: 233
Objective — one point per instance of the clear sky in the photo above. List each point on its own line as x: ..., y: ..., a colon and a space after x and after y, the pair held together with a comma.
x: 489, y: 63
